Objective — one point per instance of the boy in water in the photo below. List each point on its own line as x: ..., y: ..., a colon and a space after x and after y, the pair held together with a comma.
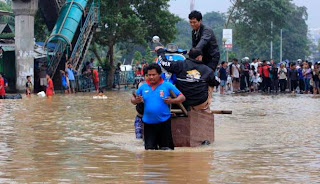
x: 223, y: 76
x: 28, y: 86
x: 64, y: 81
x: 100, y: 93
x: 140, y: 109
x: 2, y: 85
x: 49, y: 91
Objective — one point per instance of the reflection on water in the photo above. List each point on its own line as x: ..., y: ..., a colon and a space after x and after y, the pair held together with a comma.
x: 75, y: 138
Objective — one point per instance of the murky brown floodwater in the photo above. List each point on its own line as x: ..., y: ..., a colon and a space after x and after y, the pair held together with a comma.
x: 76, y: 139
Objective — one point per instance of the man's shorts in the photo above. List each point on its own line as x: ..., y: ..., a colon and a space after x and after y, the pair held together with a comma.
x: 158, y: 136
x: 72, y: 84
x: 235, y: 79
x: 43, y: 81
x: 65, y: 87
x: 223, y: 83
x: 316, y: 84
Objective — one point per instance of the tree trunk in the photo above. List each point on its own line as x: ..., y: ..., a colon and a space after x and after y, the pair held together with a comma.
x: 95, y: 52
x: 111, y: 71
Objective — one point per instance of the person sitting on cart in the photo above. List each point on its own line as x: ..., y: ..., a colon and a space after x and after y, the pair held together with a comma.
x: 193, y: 78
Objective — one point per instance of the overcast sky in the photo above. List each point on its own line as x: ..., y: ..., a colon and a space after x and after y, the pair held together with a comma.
x: 182, y: 8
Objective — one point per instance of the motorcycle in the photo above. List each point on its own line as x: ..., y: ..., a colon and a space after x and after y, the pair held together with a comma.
x: 173, y: 53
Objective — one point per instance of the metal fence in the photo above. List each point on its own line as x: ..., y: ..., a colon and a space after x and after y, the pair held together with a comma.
x: 127, y: 77
x: 85, y: 83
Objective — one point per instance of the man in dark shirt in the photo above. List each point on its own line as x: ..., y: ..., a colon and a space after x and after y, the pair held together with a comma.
x: 204, y: 39
x: 244, y: 80
x: 193, y: 78
x: 293, y: 75
x: 275, y: 78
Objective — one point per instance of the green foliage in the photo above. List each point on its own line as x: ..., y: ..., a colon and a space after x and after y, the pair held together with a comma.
x: 157, y: 20
x: 4, y: 6
x: 215, y: 21
x: 6, y: 35
x: 41, y: 31
x: 134, y: 22
x: 9, y: 19
x: 252, y: 28
x: 137, y: 56
x: 149, y: 56
x: 231, y: 55
x: 183, y: 38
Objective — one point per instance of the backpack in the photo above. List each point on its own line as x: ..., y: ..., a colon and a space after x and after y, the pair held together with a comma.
x: 230, y: 69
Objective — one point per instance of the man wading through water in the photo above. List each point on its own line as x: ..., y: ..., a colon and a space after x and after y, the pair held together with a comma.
x: 155, y: 94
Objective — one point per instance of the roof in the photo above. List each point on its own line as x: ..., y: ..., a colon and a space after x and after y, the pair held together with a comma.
x: 3, y: 12
x: 5, y: 27
x: 8, y: 48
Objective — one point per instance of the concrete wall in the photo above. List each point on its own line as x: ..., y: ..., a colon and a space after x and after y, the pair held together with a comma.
x: 24, y: 40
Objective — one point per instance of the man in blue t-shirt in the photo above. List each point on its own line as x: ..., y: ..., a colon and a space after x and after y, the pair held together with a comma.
x: 223, y: 76
x: 156, y: 116
x: 70, y: 71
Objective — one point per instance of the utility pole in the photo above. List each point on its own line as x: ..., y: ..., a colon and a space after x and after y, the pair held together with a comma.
x: 271, y: 44
x: 280, y: 45
x: 192, y: 5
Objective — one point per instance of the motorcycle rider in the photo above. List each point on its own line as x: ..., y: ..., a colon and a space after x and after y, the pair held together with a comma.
x: 193, y: 78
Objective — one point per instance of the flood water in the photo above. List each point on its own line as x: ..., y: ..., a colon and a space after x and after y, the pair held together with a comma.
x: 78, y: 139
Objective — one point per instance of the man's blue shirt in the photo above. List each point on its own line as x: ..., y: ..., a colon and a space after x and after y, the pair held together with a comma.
x: 70, y: 74
x: 155, y: 109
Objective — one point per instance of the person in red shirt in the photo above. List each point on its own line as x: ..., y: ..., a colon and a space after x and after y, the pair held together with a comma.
x: 2, y: 85
x: 266, y: 81
x: 49, y: 91
x: 95, y: 79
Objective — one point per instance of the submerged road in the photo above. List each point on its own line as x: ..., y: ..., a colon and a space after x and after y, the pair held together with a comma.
x: 78, y: 139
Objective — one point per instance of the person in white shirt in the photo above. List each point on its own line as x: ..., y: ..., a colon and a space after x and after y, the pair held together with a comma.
x: 282, y: 78
x: 255, y: 81
x: 235, y: 75
x: 255, y: 64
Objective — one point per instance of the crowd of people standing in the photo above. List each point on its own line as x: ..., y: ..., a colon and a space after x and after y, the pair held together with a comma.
x: 268, y: 76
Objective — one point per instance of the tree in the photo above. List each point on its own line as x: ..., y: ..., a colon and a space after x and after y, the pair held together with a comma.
x: 137, y: 56
x: 41, y: 31
x: 4, y: 6
x: 251, y: 22
x: 148, y: 56
x: 215, y: 21
x: 133, y: 22
x: 319, y: 45
x: 183, y: 37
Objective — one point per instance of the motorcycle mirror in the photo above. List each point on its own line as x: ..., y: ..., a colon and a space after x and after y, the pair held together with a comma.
x: 156, y: 39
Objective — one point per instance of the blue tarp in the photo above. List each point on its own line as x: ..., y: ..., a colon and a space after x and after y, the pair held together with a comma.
x: 49, y: 45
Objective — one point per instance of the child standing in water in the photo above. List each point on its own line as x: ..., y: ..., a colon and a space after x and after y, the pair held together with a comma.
x: 28, y: 86
x: 49, y: 91
x: 140, y: 108
x: 255, y: 82
x: 2, y: 85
